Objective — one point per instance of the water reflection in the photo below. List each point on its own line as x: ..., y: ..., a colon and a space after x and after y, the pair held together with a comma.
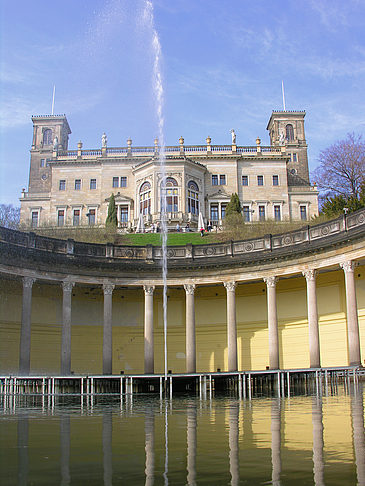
x: 221, y: 441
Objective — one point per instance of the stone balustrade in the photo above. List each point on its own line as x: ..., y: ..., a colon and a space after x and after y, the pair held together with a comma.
x: 304, y: 240
x: 172, y: 150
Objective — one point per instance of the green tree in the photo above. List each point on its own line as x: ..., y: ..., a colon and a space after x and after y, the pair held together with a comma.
x: 334, y: 206
x: 234, y: 205
x: 111, y: 219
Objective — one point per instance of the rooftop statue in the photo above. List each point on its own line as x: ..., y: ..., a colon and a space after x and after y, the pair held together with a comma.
x: 233, y: 133
x: 104, y: 140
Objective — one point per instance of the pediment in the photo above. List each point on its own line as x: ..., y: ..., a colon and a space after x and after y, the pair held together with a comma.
x: 219, y: 195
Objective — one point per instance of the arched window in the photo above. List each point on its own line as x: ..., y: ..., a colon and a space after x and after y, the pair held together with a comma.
x: 193, y: 198
x: 289, y: 132
x: 47, y: 137
x: 169, y: 195
x: 145, y: 198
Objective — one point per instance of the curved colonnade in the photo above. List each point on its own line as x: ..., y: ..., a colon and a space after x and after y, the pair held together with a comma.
x: 123, y: 327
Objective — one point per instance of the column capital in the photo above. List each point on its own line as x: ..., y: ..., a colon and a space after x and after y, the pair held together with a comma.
x: 108, y: 289
x: 148, y: 289
x: 28, y: 282
x: 271, y: 281
x: 67, y: 286
x: 189, y: 288
x: 348, y: 267
x: 230, y: 286
x: 310, y: 275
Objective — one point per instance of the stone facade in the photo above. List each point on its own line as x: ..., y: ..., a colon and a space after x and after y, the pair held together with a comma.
x: 73, y: 187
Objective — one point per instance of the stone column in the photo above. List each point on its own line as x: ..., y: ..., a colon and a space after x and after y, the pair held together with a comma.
x: 353, y: 336
x: 66, y: 328
x: 231, y: 326
x: 272, y: 319
x: 190, y: 329
x: 108, y: 330
x: 314, y: 349
x: 25, y: 330
x: 149, y: 367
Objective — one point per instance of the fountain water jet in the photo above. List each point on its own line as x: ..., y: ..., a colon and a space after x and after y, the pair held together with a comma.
x: 158, y: 91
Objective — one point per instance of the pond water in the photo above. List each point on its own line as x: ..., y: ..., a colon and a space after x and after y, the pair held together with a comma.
x: 142, y: 440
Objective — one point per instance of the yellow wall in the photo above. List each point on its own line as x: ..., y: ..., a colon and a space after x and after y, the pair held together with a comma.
x: 211, y: 336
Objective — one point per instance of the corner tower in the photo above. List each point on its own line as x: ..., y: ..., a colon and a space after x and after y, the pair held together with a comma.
x: 287, y: 128
x: 47, y: 129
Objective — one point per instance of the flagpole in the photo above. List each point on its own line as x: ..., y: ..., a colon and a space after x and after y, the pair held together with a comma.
x: 282, y: 89
x: 53, y: 97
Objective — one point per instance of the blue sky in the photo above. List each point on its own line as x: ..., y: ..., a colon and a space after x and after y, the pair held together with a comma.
x: 223, y: 63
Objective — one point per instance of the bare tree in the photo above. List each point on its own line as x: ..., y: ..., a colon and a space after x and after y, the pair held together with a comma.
x: 341, y: 169
x: 9, y: 216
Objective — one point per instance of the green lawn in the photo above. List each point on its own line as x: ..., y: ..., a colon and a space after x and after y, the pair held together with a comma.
x: 172, y: 239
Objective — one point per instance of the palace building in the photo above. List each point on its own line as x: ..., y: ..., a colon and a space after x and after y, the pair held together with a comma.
x: 73, y: 187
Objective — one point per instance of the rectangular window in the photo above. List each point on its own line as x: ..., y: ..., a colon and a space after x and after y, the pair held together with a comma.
x: 43, y: 163
x: 123, y: 181
x: 303, y: 213
x: 47, y: 162
x: 223, y: 210
x: 245, y: 180
x: 295, y: 158
x: 246, y: 213
x: 92, y: 216
x: 115, y: 181
x: 262, y: 213
x: 76, y: 217
x: 124, y: 214
x: 275, y: 180
x: 77, y: 184
x: 214, y: 212
x: 62, y: 185
x: 260, y: 180
x: 222, y: 180
x: 60, y: 217
x: 35, y: 219
x: 92, y: 183
x: 277, y: 213
x: 214, y: 180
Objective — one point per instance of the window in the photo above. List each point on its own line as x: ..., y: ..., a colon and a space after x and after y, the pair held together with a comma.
x: 77, y: 184
x: 277, y: 213
x: 43, y: 163
x: 145, y: 198
x: 214, y: 212
x: 245, y: 180
x: 92, y: 183
x: 214, y: 180
x: 35, y: 216
x: 289, y: 130
x: 303, y: 213
x: 123, y: 181
x: 222, y: 180
x: 260, y: 180
x: 193, y: 198
x: 47, y: 137
x: 62, y: 185
x: 115, y: 181
x: 261, y: 213
x: 223, y: 210
x: 60, y: 217
x: 275, y: 180
x: 76, y: 217
x: 124, y: 214
x: 92, y: 216
x: 246, y: 213
x: 295, y: 158
x: 169, y: 195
